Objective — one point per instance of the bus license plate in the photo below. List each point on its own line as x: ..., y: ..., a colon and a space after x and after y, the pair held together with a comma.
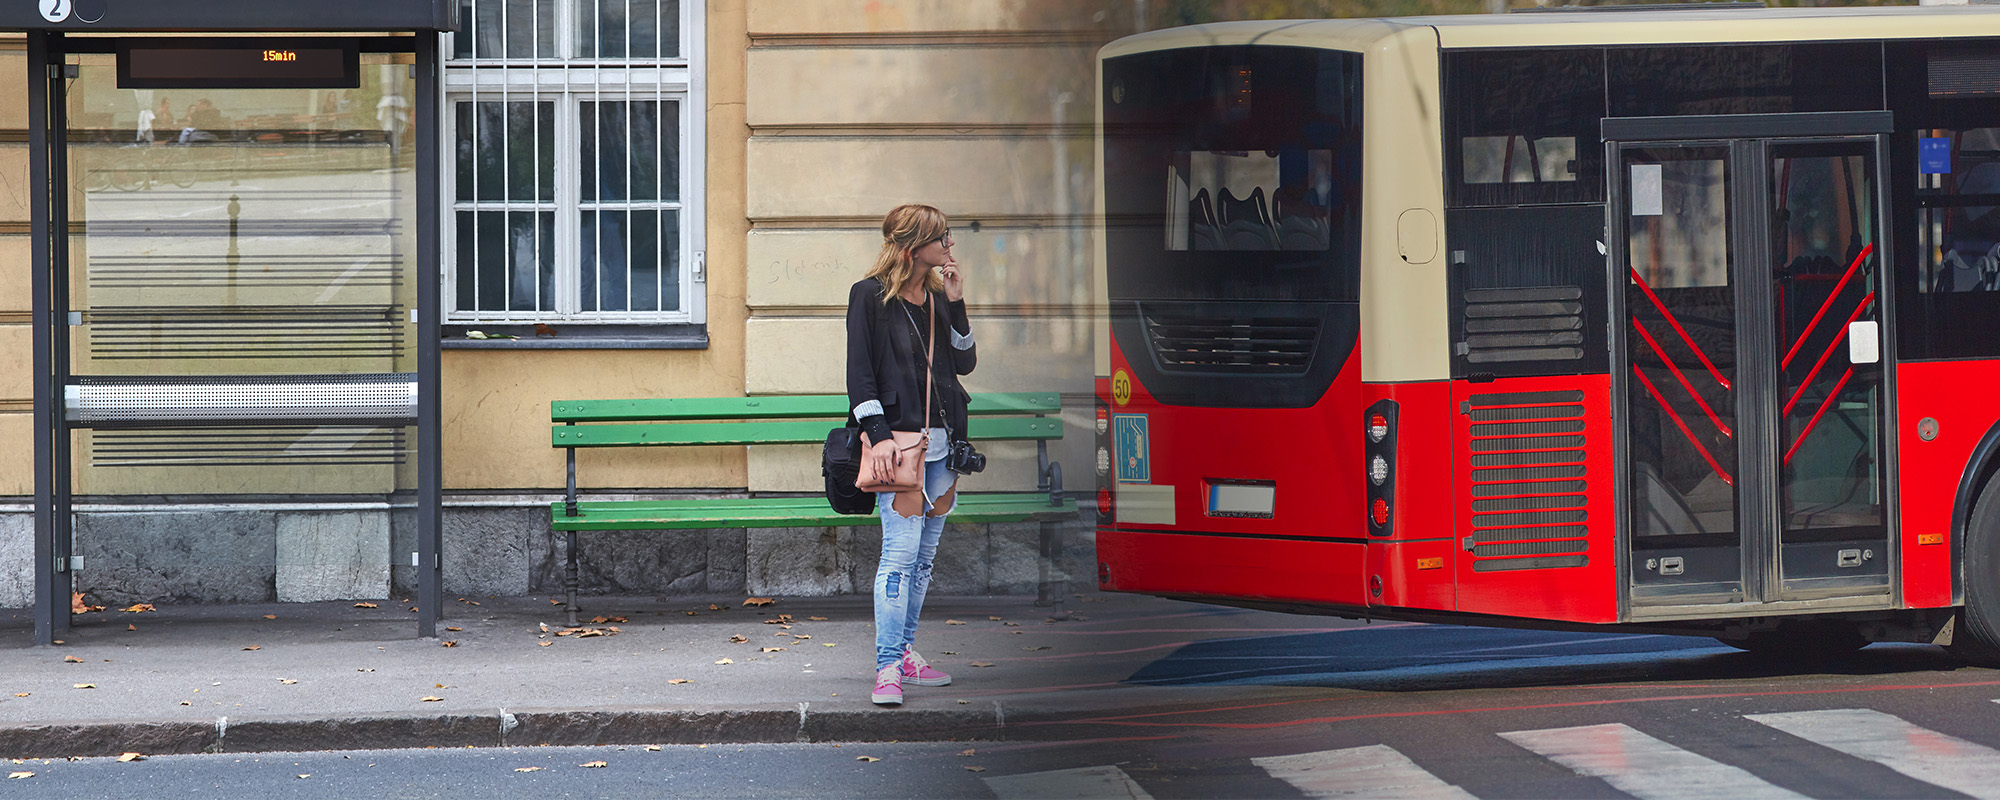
x: 1242, y: 498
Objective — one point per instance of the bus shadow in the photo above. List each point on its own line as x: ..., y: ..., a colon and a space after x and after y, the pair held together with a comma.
x: 1445, y: 657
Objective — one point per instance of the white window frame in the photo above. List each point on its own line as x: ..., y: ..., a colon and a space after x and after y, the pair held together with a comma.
x: 570, y: 81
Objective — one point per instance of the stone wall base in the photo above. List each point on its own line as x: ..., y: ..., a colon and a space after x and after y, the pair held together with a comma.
x: 257, y: 553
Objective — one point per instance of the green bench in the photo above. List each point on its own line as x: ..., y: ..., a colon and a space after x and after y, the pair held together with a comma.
x: 797, y: 419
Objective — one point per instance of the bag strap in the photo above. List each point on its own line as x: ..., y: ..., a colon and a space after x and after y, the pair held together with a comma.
x: 930, y: 366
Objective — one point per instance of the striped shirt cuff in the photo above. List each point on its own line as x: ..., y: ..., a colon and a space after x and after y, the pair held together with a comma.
x: 961, y: 341
x: 872, y: 408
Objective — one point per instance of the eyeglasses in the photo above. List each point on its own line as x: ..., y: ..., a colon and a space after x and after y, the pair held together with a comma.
x: 946, y: 238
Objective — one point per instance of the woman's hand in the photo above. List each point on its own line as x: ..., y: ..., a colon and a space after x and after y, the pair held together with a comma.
x: 883, y: 458
x: 954, y: 284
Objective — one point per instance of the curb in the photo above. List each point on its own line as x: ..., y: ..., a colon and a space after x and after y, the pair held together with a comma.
x: 502, y: 728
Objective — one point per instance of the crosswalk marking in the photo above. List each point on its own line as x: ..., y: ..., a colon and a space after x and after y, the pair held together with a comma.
x: 1642, y: 766
x: 1375, y: 771
x: 1084, y: 783
x: 1926, y: 755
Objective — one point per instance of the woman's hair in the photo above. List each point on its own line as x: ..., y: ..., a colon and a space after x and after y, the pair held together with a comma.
x: 908, y: 227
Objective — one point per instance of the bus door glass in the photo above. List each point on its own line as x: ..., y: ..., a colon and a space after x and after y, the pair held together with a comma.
x: 1752, y: 374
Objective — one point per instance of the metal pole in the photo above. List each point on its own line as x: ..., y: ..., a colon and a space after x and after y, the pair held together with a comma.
x: 430, y: 458
x: 49, y: 615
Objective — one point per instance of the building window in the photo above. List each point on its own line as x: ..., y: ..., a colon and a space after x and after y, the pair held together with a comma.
x: 576, y: 128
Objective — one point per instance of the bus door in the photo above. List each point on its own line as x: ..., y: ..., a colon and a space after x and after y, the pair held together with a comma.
x: 1748, y: 377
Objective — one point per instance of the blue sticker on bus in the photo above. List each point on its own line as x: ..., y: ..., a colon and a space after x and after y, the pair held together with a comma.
x: 1934, y: 156
x: 1129, y: 448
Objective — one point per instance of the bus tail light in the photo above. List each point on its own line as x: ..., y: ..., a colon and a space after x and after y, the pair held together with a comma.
x: 1106, y: 507
x: 1378, y: 451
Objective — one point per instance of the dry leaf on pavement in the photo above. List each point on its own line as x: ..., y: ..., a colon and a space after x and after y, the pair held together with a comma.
x: 545, y: 644
x: 759, y: 601
x: 287, y: 681
x: 714, y: 607
x: 726, y: 661
x: 817, y: 619
x: 138, y: 607
x: 797, y: 637
x: 365, y: 605
x: 679, y: 681
x: 527, y: 769
x: 593, y: 764
x: 83, y: 686
x: 968, y: 751
x: 1010, y: 624
x: 652, y: 748
x: 828, y: 644
x: 980, y: 664
x: 131, y: 627
x: 431, y: 699
x: 22, y: 694
x: 270, y: 616
x: 739, y: 638
x: 1042, y: 647
x: 23, y: 774
x: 772, y: 649
x: 870, y: 759
x: 953, y: 622
x: 451, y: 643
x: 124, y: 757
x: 975, y: 769
x: 72, y: 660
x: 254, y: 647
x: 603, y: 619
x: 996, y: 619
x: 454, y: 629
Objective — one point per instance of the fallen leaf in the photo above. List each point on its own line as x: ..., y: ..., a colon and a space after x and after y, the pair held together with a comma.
x: 365, y: 605
x: 270, y: 616
x: 287, y: 681
x: 124, y: 757
x: 1042, y: 647
x: 714, y: 607
x: 759, y: 601
x: 870, y: 759
x: 545, y: 626
x: 1010, y: 624
x: 138, y: 607
x: 817, y: 619
x: 726, y: 661
x: 131, y: 627
x: 305, y: 775
x: 22, y: 694
x: 527, y: 769
x: 679, y: 681
x: 603, y: 619
x: 455, y: 629
x: 739, y: 638
x: 432, y: 699
x: 980, y: 664
x: 20, y: 774
x: 828, y: 644
x: 652, y: 748
x: 83, y: 686
x: 967, y: 751
x: 186, y: 703
x: 953, y: 622
x: 77, y: 605
x: 544, y: 644
x: 996, y: 619
x: 72, y: 660
x: 970, y: 768
x: 554, y: 602
x: 593, y: 764
x: 364, y: 669
x: 1017, y: 633
x: 451, y: 643
x: 772, y: 649
x: 799, y: 637
x: 949, y: 652
x: 254, y: 647
x: 691, y: 613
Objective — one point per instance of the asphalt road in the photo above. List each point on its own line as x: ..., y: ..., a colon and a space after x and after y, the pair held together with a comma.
x: 1393, y: 711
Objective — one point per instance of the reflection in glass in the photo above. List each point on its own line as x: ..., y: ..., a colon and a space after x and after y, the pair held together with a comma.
x: 506, y: 260
x: 506, y: 151
x: 627, y: 250
x: 618, y: 29
x: 1250, y: 200
x: 506, y: 29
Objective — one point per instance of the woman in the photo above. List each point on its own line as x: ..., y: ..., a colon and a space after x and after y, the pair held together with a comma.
x: 913, y: 289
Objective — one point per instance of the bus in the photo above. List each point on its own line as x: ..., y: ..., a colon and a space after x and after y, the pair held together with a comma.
x: 1674, y: 320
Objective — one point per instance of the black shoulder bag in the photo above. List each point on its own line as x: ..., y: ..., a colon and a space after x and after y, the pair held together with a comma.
x: 840, y: 464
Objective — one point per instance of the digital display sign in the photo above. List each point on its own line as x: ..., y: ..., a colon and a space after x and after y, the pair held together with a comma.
x: 246, y: 63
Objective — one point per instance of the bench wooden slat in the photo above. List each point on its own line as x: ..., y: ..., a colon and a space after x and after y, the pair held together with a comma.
x: 784, y: 512
x: 773, y: 432
x: 783, y: 407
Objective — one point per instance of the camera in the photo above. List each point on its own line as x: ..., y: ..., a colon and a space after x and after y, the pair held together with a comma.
x: 964, y: 460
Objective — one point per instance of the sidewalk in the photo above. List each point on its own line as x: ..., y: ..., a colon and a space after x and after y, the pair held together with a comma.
x: 333, y: 676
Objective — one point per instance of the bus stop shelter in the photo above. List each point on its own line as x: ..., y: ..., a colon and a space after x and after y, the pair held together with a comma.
x: 235, y: 250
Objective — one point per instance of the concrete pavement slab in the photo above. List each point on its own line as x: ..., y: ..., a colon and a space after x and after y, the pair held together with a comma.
x: 331, y: 675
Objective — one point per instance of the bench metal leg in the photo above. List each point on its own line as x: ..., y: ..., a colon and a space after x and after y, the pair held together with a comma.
x: 570, y: 579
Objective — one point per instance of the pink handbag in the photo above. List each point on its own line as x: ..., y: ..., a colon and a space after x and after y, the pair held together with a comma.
x: 910, y: 445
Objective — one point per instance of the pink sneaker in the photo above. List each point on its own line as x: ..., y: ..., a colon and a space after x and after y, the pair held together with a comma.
x: 888, y: 686
x: 920, y: 672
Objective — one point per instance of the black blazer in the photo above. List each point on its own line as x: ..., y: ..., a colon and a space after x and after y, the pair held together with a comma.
x: 884, y: 363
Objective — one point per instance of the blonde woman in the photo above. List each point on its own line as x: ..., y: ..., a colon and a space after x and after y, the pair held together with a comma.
x: 913, y: 289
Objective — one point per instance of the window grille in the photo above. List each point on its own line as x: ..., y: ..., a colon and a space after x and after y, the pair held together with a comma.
x: 575, y: 129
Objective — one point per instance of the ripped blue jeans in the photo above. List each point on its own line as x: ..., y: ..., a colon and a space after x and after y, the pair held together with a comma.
x: 909, y: 546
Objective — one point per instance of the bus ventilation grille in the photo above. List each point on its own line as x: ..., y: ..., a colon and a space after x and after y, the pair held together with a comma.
x: 1528, y: 482
x: 1243, y: 345
x: 1540, y: 323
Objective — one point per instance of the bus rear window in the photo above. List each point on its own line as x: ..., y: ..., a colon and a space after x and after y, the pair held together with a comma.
x: 1244, y: 200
